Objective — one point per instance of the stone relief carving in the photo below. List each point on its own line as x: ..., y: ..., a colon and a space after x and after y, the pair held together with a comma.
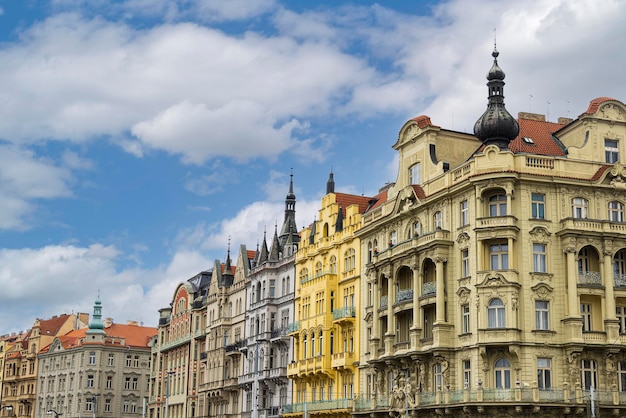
x: 540, y: 234
x: 612, y: 112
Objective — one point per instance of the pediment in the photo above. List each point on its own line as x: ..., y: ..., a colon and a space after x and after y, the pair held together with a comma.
x: 406, y: 200
x: 494, y: 279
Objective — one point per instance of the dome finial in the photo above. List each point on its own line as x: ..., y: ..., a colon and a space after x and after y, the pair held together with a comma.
x: 496, y: 125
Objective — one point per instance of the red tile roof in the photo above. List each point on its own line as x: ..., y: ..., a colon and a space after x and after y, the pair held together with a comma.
x: 419, y: 192
x: 134, y: 336
x: 540, y: 133
x: 344, y: 200
x: 380, y: 198
x: 251, y: 254
x: 51, y: 326
x: 423, y: 121
x: 595, y: 104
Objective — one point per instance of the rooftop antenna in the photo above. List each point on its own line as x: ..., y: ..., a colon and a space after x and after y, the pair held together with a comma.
x: 567, y: 110
x: 530, y: 99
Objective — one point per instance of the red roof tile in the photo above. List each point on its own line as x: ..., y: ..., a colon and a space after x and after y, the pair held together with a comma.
x: 600, y: 172
x: 251, y: 254
x: 595, y: 104
x: 380, y: 198
x: 423, y: 121
x: 419, y: 192
x: 541, y: 135
x: 344, y: 200
x: 51, y: 326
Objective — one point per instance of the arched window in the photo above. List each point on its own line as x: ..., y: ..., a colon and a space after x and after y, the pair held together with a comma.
x: 497, y: 205
x: 616, y: 211
x: 333, y: 265
x: 332, y: 343
x: 318, y: 269
x: 321, y: 345
x: 304, y: 275
x: 325, y: 230
x: 393, y: 238
x: 502, y: 374
x: 349, y: 259
x: 496, y: 317
x: 369, y: 252
x: 304, y: 346
x: 313, y: 344
x: 414, y: 174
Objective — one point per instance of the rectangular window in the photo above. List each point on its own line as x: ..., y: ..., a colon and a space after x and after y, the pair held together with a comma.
x: 616, y: 212
x: 111, y: 359
x: 90, y: 381
x: 467, y: 374
x: 499, y: 254
x: 92, y: 357
x: 464, y: 213
x: 585, y: 312
x: 414, y: 174
x: 438, y: 219
x: 109, y: 382
x: 621, y: 373
x: 611, y: 151
x: 465, y: 263
x: 272, y: 288
x: 107, y: 405
x: 127, y: 383
x: 544, y: 379
x: 438, y: 377
x: 465, y: 314
x: 539, y: 258
x: 129, y: 361
x: 579, y: 208
x: 620, y: 312
x: 542, y: 315
x: 589, y: 376
x: 538, y: 205
x: 89, y: 404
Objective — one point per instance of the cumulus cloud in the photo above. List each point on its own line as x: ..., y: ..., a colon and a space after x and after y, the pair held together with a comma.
x: 25, y: 179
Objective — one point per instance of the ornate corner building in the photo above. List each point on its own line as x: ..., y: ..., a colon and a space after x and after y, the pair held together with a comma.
x: 494, y: 270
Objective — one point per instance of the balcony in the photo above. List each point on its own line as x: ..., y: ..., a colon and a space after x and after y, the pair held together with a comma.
x: 318, y: 406
x: 499, y: 336
x: 326, y: 275
x: 342, y: 360
x: 278, y: 372
x: 620, y: 280
x: 278, y: 333
x: 593, y: 278
x: 594, y: 337
x: 234, y: 349
x: 294, y: 327
x: 175, y: 342
x: 404, y: 295
x: 491, y: 222
x: 383, y: 301
x: 347, y: 312
x: 429, y: 288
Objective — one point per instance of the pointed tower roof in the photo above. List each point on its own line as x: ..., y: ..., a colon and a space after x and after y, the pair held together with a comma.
x: 227, y: 275
x: 496, y: 125
x: 339, y: 222
x: 263, y: 254
x: 330, y: 184
x: 96, y: 326
x: 312, y: 235
x: 275, y: 249
x: 289, y: 230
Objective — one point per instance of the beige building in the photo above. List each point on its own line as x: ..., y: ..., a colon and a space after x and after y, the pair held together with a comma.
x: 178, y: 350
x: 222, y: 361
x: 102, y: 370
x: 495, y: 268
x: 19, y: 383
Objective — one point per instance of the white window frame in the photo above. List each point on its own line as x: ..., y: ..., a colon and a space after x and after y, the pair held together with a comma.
x: 542, y: 315
x: 496, y: 314
x: 464, y: 213
x: 544, y: 373
x: 538, y: 205
x: 539, y: 258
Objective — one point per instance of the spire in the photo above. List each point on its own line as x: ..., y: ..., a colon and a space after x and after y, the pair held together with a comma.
x: 339, y: 222
x: 289, y: 230
x: 275, y: 250
x: 330, y: 184
x: 96, y: 326
x: 227, y: 275
x: 262, y: 255
x: 496, y: 125
x: 312, y: 236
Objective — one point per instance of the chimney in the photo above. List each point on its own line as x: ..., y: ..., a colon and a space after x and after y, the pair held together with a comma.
x: 565, y: 121
x: 129, y: 322
x: 531, y: 116
x: 108, y: 322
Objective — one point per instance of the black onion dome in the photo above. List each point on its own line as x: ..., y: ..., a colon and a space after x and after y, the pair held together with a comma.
x: 496, y: 125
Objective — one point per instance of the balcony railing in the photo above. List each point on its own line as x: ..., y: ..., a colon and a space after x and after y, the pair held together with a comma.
x: 318, y: 406
x: 383, y: 301
x: 345, y: 312
x: 404, y: 295
x: 590, y: 277
x: 429, y: 288
x: 294, y: 326
x: 620, y: 280
x: 279, y: 332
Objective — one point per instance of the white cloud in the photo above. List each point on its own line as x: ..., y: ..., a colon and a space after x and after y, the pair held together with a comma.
x: 25, y: 179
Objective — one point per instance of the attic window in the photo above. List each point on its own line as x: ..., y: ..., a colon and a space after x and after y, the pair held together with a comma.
x: 528, y: 140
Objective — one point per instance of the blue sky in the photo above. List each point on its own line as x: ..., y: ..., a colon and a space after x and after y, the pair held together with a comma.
x: 136, y: 136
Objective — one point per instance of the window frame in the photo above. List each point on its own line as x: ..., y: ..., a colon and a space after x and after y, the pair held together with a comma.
x: 580, y: 208
x: 539, y: 257
x: 544, y: 373
x: 497, y: 205
x: 464, y: 205
x: 496, y: 314
x: 499, y: 252
x: 538, y: 205
x: 415, y: 175
x: 502, y: 373
x: 616, y: 213
x: 542, y: 315
x: 611, y: 150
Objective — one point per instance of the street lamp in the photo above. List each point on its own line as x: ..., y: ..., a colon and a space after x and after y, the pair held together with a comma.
x: 53, y: 412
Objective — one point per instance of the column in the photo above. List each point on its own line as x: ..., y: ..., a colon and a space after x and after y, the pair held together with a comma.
x: 573, y: 310
x: 609, y: 283
x: 440, y: 313
x: 417, y: 292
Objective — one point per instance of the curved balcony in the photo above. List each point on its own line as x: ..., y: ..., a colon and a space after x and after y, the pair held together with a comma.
x: 404, y: 295
x: 593, y: 278
x: 347, y: 313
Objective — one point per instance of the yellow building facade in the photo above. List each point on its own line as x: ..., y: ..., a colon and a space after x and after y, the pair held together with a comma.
x: 324, y: 369
x: 500, y: 289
